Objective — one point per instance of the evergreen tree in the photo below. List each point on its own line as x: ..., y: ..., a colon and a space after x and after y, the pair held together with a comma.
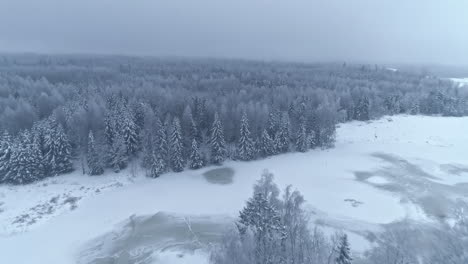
x: 110, y: 128
x: 118, y: 154
x: 196, y: 160
x: 344, y: 252
x: 25, y: 164
x: 158, y: 165
x: 161, y: 145
x: 93, y: 158
x: 149, y: 144
x: 177, y: 159
x: 6, y: 144
x: 218, y: 145
x: 245, y: 148
x: 361, y: 111
x: 273, y: 124
x: 57, y: 149
x: 129, y: 132
x: 266, y: 145
x: 195, y: 132
x: 302, y: 143
x: 264, y: 221
x: 282, y: 136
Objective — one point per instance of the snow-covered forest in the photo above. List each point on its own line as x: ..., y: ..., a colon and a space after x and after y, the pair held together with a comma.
x: 65, y: 113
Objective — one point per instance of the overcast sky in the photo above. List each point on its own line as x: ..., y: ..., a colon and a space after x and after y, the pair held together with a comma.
x: 409, y: 31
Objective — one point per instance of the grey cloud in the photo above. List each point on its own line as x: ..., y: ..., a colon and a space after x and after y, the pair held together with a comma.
x: 417, y: 31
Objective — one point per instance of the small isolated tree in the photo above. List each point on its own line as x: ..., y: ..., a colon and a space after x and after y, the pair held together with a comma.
x: 245, y: 148
x: 344, y: 252
x: 95, y: 166
x: 196, y: 160
x: 158, y: 165
x: 177, y: 159
x: 218, y: 145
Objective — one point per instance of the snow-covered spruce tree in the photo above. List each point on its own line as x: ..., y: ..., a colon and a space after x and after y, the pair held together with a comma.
x: 6, y: 144
x: 118, y: 158
x: 361, y: 111
x: 186, y: 124
x: 195, y: 132
x: 129, y: 132
x: 25, y: 163
x: 273, y: 123
x: 282, y: 136
x: 344, y: 252
x: 57, y: 156
x: 95, y: 166
x: 177, y: 159
x: 266, y: 145
x: 245, y: 146
x: 110, y: 128
x: 217, y: 143
x: 160, y: 140
x: 263, y: 220
x: 302, y: 141
x: 196, y: 160
x: 148, y: 145
x: 158, y: 165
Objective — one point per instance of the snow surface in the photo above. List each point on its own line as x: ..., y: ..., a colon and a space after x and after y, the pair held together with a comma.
x: 462, y: 82
x: 350, y: 187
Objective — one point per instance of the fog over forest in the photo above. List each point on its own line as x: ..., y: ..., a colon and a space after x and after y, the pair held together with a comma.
x: 420, y: 31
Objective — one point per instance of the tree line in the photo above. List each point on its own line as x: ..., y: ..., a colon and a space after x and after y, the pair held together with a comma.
x: 60, y: 113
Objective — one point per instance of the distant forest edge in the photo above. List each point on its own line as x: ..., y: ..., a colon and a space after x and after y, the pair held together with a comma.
x: 176, y: 114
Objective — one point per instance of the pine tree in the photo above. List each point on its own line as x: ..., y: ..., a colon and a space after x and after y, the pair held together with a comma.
x: 148, y: 146
x: 272, y: 124
x: 177, y: 159
x: 302, y: 143
x: 158, y: 165
x: 266, y: 145
x: 344, y: 252
x: 195, y: 132
x: 118, y: 154
x: 218, y: 145
x: 25, y: 163
x: 264, y: 221
x: 129, y: 132
x: 245, y: 148
x: 361, y: 111
x: 110, y: 128
x: 6, y: 144
x: 196, y: 160
x: 282, y: 136
x: 93, y: 158
x: 161, y: 146
x: 57, y: 150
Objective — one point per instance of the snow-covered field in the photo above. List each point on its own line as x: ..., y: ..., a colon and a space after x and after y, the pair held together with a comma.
x: 395, y: 168
x: 462, y: 82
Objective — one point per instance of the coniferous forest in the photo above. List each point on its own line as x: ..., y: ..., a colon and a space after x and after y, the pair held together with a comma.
x: 96, y: 113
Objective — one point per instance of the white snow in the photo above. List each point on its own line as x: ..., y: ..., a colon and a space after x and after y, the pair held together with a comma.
x: 462, y: 82
x: 436, y: 145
